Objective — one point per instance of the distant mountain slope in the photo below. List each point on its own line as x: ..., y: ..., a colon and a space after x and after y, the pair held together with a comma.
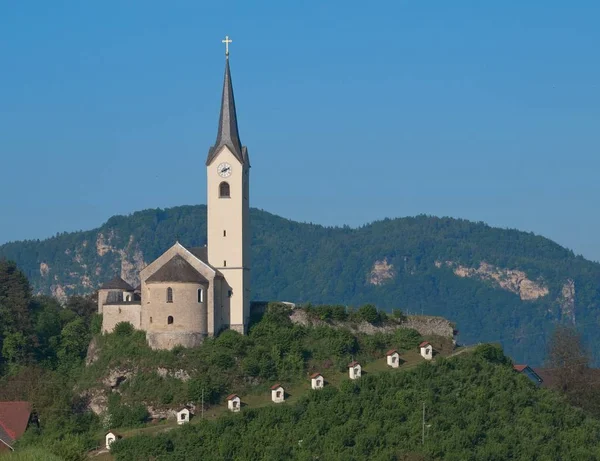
x: 496, y: 284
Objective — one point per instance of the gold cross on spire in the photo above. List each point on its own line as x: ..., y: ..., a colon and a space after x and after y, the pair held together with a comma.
x: 227, y: 41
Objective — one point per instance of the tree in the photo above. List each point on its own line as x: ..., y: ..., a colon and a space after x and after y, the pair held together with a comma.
x: 74, y: 339
x: 15, y: 315
x: 569, y: 363
x: 84, y: 306
x: 15, y: 349
x: 568, y: 359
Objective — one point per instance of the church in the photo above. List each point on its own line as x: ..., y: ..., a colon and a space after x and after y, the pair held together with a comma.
x: 188, y: 294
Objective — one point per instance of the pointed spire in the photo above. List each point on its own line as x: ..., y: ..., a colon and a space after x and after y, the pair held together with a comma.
x: 227, y: 134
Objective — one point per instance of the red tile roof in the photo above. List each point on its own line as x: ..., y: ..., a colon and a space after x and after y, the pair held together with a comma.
x: 424, y: 343
x: 392, y: 351
x: 314, y: 375
x: 520, y: 368
x: 353, y: 364
x: 231, y: 396
x: 275, y: 386
x: 14, y: 417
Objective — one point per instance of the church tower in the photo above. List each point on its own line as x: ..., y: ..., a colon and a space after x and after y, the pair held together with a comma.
x: 228, y: 226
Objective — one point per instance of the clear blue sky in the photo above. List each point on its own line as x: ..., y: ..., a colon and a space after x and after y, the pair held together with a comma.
x: 352, y: 111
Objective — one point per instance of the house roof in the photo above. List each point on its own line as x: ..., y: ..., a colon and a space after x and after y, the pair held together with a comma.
x: 117, y: 283
x: 424, y: 344
x: 116, y: 434
x: 391, y: 352
x: 529, y: 372
x: 232, y: 396
x: 276, y: 386
x: 14, y: 417
x: 184, y: 409
x: 353, y: 364
x: 315, y: 375
x: 177, y: 269
x: 202, y: 254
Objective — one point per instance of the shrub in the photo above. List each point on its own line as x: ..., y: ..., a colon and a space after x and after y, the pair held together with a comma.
x: 327, y: 312
x: 407, y: 338
x: 96, y: 324
x: 123, y: 329
x: 492, y: 353
x: 398, y: 315
x: 367, y: 313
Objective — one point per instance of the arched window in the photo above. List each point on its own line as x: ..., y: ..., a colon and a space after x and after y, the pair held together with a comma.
x: 170, y: 320
x: 200, y: 295
x: 224, y: 190
x: 169, y: 295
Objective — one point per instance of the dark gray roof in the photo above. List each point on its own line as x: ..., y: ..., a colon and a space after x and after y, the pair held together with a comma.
x: 117, y: 284
x: 177, y: 270
x: 228, y: 134
x: 200, y: 252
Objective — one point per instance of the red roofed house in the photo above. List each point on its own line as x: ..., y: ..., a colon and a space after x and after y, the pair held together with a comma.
x: 14, y: 419
x: 393, y: 358
x: 277, y: 393
x: 233, y: 403
x: 528, y: 371
x: 317, y: 381
x: 426, y: 350
x: 354, y: 370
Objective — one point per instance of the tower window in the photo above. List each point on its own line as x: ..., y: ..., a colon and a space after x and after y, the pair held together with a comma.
x: 224, y: 263
x: 169, y: 295
x: 150, y: 319
x: 224, y: 190
x: 224, y: 233
x: 200, y: 295
x: 170, y: 320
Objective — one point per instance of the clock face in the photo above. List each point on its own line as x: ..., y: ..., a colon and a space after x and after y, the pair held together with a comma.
x: 224, y: 169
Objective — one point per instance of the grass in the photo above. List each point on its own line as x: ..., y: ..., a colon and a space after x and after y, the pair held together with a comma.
x: 29, y: 454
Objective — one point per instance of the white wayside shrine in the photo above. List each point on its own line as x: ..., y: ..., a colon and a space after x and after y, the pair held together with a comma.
x: 188, y: 294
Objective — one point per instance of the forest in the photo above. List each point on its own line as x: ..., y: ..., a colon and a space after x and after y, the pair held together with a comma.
x: 476, y: 405
x: 304, y: 262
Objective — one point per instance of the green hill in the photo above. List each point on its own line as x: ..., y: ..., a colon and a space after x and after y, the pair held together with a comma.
x: 497, y: 284
x: 476, y: 408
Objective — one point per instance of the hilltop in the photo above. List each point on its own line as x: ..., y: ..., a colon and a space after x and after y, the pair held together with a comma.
x: 499, y: 285
x: 477, y: 406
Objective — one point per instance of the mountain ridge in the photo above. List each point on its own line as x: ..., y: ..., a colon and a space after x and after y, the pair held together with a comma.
x: 494, y: 283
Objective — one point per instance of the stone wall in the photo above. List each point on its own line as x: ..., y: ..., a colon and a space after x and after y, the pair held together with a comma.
x: 189, y: 316
x: 115, y: 313
x: 425, y: 325
x: 168, y: 340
